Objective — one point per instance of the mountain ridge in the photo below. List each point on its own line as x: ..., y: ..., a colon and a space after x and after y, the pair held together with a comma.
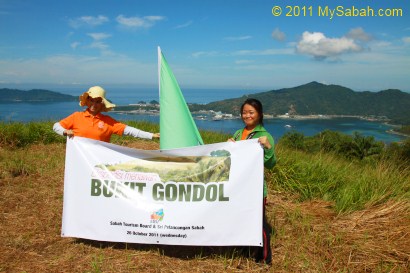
x: 34, y: 95
x: 312, y: 98
x: 319, y: 99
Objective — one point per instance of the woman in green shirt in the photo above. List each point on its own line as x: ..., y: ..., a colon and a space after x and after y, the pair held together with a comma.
x: 252, y: 116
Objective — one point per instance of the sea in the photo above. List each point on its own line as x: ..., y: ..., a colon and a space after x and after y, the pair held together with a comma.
x: 54, y: 111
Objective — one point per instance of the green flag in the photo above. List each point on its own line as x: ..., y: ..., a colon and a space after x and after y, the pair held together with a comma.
x: 177, y: 127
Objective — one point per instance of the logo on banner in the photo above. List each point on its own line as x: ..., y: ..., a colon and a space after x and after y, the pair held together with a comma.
x: 157, y: 216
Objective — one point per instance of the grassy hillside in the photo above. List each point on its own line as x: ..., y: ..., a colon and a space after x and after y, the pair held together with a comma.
x: 329, y: 214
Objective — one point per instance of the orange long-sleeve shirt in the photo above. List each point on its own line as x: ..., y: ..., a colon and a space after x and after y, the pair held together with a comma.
x: 99, y: 127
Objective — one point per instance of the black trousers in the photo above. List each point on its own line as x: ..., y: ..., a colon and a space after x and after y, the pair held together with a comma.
x: 264, y: 253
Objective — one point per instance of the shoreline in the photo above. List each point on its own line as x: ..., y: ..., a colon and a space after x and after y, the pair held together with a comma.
x: 212, y: 113
x: 397, y: 133
x: 301, y: 117
x: 371, y: 119
x: 214, y: 116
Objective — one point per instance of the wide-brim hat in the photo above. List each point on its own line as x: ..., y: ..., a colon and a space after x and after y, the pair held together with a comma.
x: 96, y: 92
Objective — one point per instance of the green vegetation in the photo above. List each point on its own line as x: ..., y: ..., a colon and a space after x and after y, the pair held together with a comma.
x: 349, y: 185
x: 352, y: 171
x: 19, y: 134
x: 34, y: 95
x: 404, y: 130
x: 356, y: 147
x: 336, y: 203
x: 315, y: 99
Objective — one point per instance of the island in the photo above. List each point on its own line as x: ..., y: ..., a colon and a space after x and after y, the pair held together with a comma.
x: 35, y: 95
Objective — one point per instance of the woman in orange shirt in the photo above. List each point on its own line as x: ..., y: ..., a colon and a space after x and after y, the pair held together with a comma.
x: 91, y: 123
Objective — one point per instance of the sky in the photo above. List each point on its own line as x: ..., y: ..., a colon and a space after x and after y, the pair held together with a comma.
x: 242, y: 44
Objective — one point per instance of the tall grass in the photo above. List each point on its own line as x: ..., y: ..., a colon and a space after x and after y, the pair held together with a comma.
x: 351, y: 185
x: 19, y: 135
x: 214, y: 137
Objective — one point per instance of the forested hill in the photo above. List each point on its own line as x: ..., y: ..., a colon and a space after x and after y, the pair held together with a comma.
x: 319, y: 99
x: 34, y: 95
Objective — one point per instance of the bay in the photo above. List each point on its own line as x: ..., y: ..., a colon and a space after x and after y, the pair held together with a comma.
x: 278, y: 127
x: 26, y: 112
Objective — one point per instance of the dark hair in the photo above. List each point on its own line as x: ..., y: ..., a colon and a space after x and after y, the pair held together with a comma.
x: 255, y: 104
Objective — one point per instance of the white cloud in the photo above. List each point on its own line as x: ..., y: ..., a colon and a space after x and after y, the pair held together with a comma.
x: 239, y: 38
x: 278, y: 35
x: 321, y: 47
x: 187, y: 24
x: 382, y: 44
x: 204, y: 53
x: 154, y: 18
x: 82, y: 69
x: 264, y: 52
x: 406, y: 40
x: 74, y: 45
x: 100, y: 45
x: 99, y: 36
x: 359, y: 34
x: 138, y: 22
x: 88, y: 21
x: 244, y: 61
x: 98, y: 42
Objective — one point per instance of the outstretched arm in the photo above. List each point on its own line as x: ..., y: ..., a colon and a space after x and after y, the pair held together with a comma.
x: 62, y: 131
x: 131, y: 131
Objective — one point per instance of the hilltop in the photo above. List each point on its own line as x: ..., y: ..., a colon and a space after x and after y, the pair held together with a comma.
x: 328, y: 214
x: 319, y: 99
x: 34, y: 95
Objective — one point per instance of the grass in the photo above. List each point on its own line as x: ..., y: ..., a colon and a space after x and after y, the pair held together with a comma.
x: 351, y: 185
x: 327, y: 214
x: 20, y: 135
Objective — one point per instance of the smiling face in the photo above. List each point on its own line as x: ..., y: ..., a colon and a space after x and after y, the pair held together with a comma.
x: 250, y: 116
x: 95, y: 105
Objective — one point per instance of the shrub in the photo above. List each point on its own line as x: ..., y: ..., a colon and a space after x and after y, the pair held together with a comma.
x: 18, y: 135
x: 351, y: 147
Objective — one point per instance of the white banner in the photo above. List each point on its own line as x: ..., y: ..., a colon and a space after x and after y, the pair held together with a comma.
x: 204, y: 195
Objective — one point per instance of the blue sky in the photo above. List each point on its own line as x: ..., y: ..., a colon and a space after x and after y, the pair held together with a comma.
x: 208, y: 44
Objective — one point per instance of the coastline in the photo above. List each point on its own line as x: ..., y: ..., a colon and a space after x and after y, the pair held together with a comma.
x: 278, y: 127
x: 218, y: 116
x: 301, y: 117
x: 391, y: 131
x: 384, y: 120
x: 153, y: 110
